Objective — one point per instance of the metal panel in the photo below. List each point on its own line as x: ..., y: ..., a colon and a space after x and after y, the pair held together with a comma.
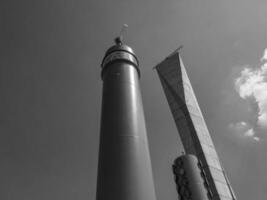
x: 124, y: 167
x: 188, y: 178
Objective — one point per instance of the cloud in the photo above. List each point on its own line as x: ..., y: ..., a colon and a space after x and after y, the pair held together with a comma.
x: 252, y: 85
x: 264, y: 57
x: 243, y: 129
x: 239, y: 126
x: 249, y: 133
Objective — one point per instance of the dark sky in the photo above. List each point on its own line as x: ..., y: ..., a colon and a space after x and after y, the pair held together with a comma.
x: 50, y: 89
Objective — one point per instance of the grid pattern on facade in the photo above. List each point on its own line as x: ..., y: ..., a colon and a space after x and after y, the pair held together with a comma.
x: 190, y: 123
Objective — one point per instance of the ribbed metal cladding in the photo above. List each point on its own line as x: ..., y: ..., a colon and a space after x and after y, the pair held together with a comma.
x: 122, y: 53
x: 190, y: 179
x: 124, y: 167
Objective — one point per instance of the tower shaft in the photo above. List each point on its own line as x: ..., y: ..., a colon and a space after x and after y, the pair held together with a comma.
x: 124, y: 168
x: 191, y: 125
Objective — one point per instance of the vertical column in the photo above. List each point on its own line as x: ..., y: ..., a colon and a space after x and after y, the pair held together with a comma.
x: 191, y: 125
x: 124, y: 168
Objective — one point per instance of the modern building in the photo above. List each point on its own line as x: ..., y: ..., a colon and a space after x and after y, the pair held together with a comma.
x: 124, y: 167
x: 191, y: 126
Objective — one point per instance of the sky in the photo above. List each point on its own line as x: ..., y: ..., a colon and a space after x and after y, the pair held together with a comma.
x: 50, y: 89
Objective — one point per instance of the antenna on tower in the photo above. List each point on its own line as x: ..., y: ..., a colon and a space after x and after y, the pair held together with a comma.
x: 118, y: 40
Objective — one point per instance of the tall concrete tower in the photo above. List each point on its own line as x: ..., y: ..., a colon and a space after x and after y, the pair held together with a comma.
x: 124, y: 167
x: 191, y: 125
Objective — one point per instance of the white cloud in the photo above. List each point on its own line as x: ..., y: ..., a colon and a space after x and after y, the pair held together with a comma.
x: 252, y: 84
x: 243, y: 129
x: 264, y: 57
x: 249, y: 133
x: 239, y: 126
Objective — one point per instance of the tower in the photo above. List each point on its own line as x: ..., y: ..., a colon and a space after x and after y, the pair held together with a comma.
x: 191, y: 125
x: 124, y: 168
